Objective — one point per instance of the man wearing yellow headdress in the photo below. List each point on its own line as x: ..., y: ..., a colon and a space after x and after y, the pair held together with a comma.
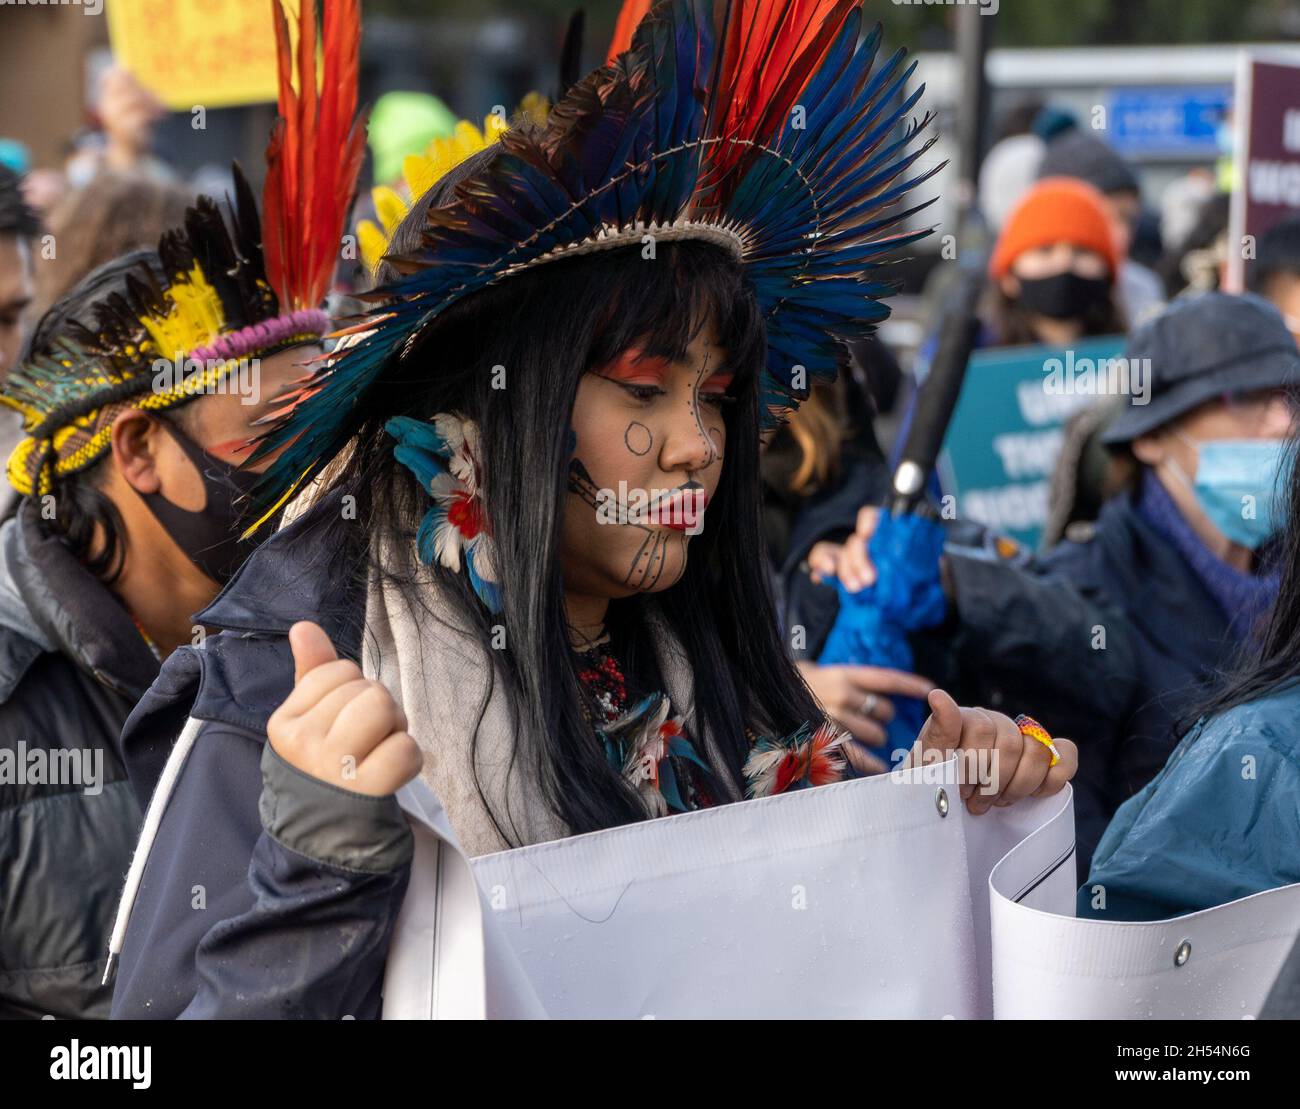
x: 138, y: 393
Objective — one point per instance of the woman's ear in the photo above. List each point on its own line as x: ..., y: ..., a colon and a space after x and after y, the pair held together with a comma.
x: 136, y: 440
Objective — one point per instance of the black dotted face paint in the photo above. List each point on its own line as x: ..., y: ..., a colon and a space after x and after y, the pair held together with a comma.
x: 706, y: 435
x: 648, y: 563
x: 580, y: 482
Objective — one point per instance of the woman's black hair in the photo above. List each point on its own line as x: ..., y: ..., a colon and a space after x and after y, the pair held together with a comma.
x: 1273, y: 659
x: 546, y: 328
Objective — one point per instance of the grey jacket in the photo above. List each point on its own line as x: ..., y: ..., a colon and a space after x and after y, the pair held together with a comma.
x: 71, y: 667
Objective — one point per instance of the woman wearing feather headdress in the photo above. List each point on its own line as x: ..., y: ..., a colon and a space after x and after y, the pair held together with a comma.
x: 531, y: 570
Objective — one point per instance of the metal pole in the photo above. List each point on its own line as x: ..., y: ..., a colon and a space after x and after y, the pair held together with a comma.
x: 973, y: 34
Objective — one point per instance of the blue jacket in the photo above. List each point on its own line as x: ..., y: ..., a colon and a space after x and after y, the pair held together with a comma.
x: 1221, y: 821
x: 267, y: 893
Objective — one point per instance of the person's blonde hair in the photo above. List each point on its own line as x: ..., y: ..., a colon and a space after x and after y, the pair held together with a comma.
x: 818, y: 430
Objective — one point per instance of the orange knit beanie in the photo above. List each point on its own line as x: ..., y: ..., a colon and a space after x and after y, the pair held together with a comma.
x: 1055, y: 210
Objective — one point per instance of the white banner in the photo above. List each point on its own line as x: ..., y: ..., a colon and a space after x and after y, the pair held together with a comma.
x: 878, y: 898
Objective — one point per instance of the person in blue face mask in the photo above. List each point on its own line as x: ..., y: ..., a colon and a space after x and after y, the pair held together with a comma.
x: 1112, y: 636
x: 1222, y: 818
x: 1183, y: 558
x: 1236, y: 485
x: 1211, y: 442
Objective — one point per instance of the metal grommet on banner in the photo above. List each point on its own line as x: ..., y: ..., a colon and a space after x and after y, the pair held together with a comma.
x: 941, y: 801
x: 1183, y: 953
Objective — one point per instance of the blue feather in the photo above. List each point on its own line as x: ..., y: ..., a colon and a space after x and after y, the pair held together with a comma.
x: 818, y: 206
x: 488, y: 592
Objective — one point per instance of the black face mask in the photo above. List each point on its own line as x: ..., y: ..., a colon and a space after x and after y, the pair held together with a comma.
x: 209, y: 536
x: 1064, y: 296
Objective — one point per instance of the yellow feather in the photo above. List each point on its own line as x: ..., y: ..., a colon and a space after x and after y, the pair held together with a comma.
x: 390, y: 207
x: 275, y: 507
x: 16, y: 468
x: 193, y: 320
x: 373, y: 243
x: 422, y: 171
x: 536, y: 107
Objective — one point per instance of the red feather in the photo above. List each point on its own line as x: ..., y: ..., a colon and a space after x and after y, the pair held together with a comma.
x: 628, y: 17
x: 825, y: 760
x: 315, y: 153
x: 772, y: 48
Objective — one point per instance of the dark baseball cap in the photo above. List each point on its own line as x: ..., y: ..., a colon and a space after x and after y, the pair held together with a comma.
x: 1200, y: 348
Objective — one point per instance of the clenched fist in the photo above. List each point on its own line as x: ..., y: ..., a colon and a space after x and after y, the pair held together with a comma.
x: 339, y: 727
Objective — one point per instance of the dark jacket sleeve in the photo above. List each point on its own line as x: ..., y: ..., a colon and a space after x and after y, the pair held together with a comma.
x: 268, y: 894
x: 1024, y: 636
x: 65, y: 837
x: 1035, y: 639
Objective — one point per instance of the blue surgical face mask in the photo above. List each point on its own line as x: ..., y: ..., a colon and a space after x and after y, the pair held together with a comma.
x: 1239, y: 486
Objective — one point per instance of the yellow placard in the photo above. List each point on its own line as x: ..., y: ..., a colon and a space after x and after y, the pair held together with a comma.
x: 213, y: 53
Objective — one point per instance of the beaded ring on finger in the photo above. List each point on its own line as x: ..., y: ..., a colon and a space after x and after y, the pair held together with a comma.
x: 1032, y: 729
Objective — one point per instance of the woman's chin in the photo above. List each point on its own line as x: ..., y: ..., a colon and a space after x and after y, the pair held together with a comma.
x: 664, y: 575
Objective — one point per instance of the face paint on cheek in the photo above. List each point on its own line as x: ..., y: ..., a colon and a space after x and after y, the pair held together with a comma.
x: 638, y: 439
x: 641, y: 561
x: 581, y: 484
x: 647, y: 567
x: 716, y: 438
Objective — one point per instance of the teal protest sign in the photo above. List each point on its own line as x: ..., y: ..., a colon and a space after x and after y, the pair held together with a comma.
x: 1006, y: 432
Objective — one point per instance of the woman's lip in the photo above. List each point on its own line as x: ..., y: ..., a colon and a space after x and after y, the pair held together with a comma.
x: 682, y: 511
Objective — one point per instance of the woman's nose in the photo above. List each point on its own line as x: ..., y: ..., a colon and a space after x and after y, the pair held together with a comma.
x: 687, y: 444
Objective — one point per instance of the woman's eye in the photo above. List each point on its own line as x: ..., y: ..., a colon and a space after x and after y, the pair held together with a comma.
x: 718, y: 400
x: 644, y: 392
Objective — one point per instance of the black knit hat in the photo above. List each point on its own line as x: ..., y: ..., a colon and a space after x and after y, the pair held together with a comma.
x: 1079, y: 154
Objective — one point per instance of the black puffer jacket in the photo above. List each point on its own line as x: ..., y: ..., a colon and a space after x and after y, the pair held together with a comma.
x: 72, y: 665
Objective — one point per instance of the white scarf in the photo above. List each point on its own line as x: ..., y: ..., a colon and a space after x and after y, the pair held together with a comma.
x: 440, y: 674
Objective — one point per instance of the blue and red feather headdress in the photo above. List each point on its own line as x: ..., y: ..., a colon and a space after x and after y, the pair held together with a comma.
x: 761, y: 125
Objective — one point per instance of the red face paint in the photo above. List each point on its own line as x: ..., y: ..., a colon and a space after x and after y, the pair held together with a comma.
x: 236, y: 448
x: 717, y: 383
x: 633, y: 367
